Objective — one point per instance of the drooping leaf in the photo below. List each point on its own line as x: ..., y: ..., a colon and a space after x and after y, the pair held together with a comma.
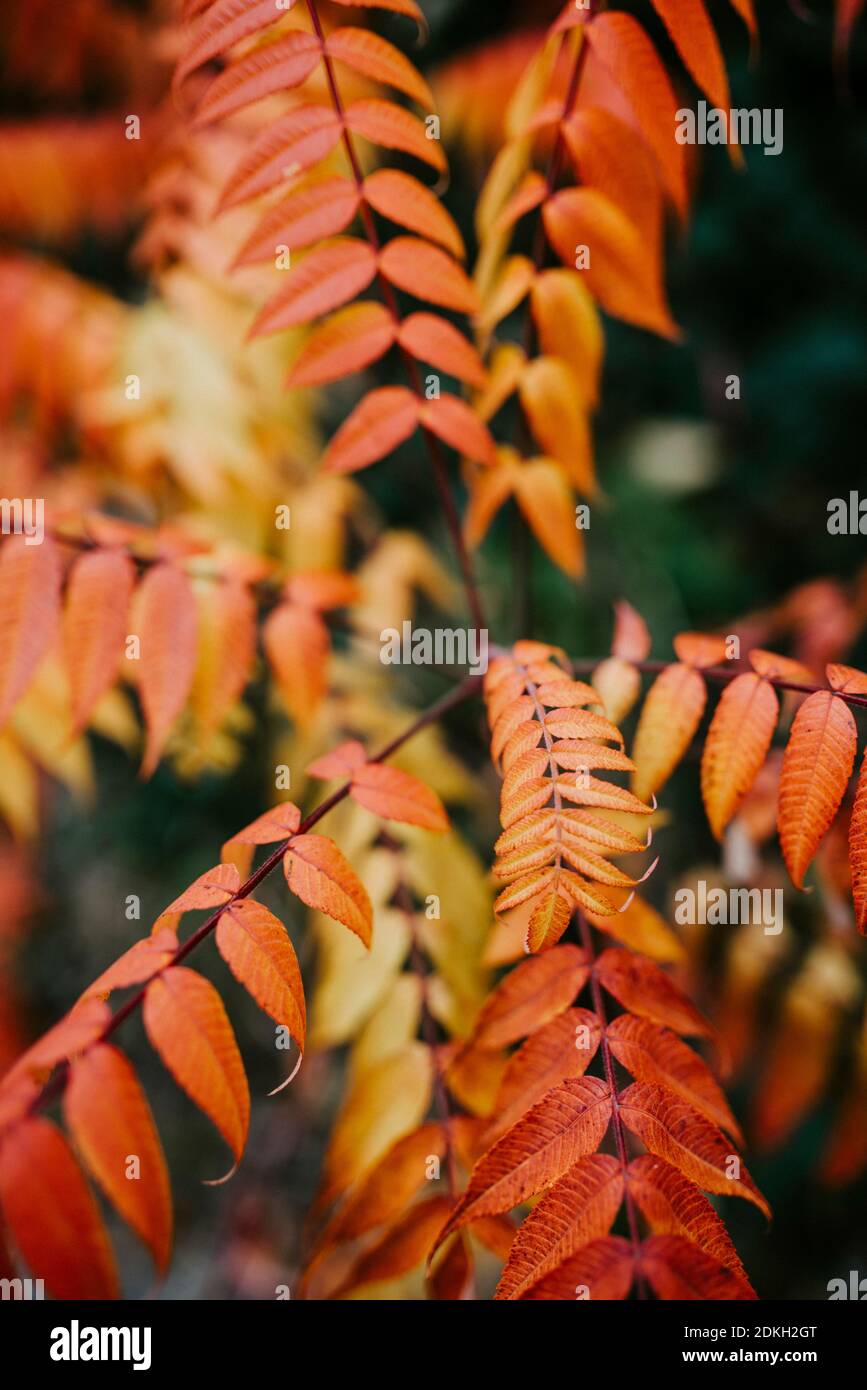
x: 689, y: 25
x: 652, y: 1053
x: 673, y: 1205
x: 140, y: 962
x: 567, y: 1124
x: 858, y: 848
x: 366, y: 52
x: 562, y: 1048
x: 348, y: 342
x: 297, y: 645
x: 536, y: 991
x: 327, y: 277
x: 817, y: 765
x: 51, y: 1212
x: 578, y: 1209
x: 402, y: 1248
x: 392, y: 126
x: 642, y: 987
x: 318, y: 874
x: 402, y: 198
x: 273, y: 67
x: 98, y: 595
x: 111, y: 1123
x: 670, y: 715
x: 221, y: 27
x: 672, y: 1130
x: 384, y: 419
x: 430, y: 338
x: 255, y: 946
x: 166, y: 622
x: 429, y: 273
x: 396, y: 795
x: 456, y: 423
x: 677, y: 1269
x: 284, y: 149
x: 602, y: 1269
x: 187, y: 1025
x: 29, y: 606
x: 315, y: 211
x: 737, y: 744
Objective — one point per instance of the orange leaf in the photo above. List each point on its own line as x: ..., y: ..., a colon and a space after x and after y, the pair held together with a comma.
x: 318, y: 874
x: 858, y: 848
x: 737, y: 744
x: 384, y: 123
x: 400, y: 197
x: 323, y: 589
x: 297, y: 645
x: 227, y: 651
x: 407, y: 7
x: 309, y: 214
x: 186, y: 1023
x: 620, y: 43
x: 562, y: 1048
x: 402, y: 1248
x: 284, y: 148
x: 367, y: 53
x: 607, y: 156
x: 602, y: 1269
x: 346, y: 343
x: 29, y: 605
x: 623, y: 270
x: 846, y: 678
x: 52, y: 1214
x: 677, y: 1269
x: 327, y: 277
x: 270, y: 68
x: 558, y: 418
x: 384, y: 419
x: 568, y: 326
x: 111, y: 1122
x: 534, y: 992
x: 631, y: 639
x: 395, y: 795
x: 166, y: 620
x: 76, y: 1031
x: 95, y: 626
x: 642, y: 987
x: 694, y: 38
x: 433, y: 339
x: 567, y: 1124
x: 700, y: 649
x: 257, y: 950
x: 651, y: 1053
x: 389, y: 1187
x: 546, y: 501
x: 579, y: 1208
x: 429, y: 273
x: 670, y: 715
x: 817, y: 765
x: 144, y: 959
x: 210, y: 889
x: 672, y: 1205
x: 675, y: 1132
x: 458, y: 425
x: 277, y: 824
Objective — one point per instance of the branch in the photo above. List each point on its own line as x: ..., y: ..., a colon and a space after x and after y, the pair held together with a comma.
x: 56, y: 1083
x: 434, y: 451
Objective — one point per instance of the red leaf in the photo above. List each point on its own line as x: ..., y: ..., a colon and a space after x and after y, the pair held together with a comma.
x: 642, y: 987
x: 433, y: 339
x: 52, y: 1214
x: 429, y: 273
x: 346, y: 343
x: 284, y: 149
x: 383, y: 123
x: 274, y: 67
x: 395, y: 795
x: 327, y: 277
x: 534, y: 992
x: 404, y: 200
x: 384, y: 419
x: 458, y: 425
x: 309, y: 214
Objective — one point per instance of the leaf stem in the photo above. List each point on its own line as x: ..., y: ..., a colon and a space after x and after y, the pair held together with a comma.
x: 56, y: 1083
x: 440, y: 472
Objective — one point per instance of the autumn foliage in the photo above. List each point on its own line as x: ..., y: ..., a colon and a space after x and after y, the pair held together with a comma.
x: 520, y: 1094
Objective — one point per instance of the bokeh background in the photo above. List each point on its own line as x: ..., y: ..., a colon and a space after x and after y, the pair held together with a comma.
x: 714, y: 514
